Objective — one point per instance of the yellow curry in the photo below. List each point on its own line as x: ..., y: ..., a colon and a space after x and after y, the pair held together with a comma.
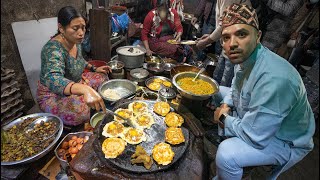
x: 198, y: 87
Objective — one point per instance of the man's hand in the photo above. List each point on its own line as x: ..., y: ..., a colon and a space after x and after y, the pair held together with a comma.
x: 203, y: 42
x: 204, y: 36
x: 194, y: 20
x: 219, y: 111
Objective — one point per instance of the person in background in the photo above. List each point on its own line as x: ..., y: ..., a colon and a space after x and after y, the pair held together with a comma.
x: 178, y: 6
x: 160, y: 25
x: 63, y: 89
x: 205, y: 15
x: 174, y: 4
x: 265, y: 114
x: 205, y: 11
x: 275, y: 17
x: 223, y: 72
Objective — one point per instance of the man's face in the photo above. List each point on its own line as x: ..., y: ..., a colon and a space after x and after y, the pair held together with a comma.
x: 239, y: 41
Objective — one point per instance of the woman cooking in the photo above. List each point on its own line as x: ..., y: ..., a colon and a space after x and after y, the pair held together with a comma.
x: 64, y: 90
x: 159, y: 26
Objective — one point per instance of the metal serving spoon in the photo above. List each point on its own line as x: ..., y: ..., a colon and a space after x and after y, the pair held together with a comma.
x: 201, y: 71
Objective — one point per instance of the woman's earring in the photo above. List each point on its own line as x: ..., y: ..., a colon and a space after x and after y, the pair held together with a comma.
x: 62, y: 35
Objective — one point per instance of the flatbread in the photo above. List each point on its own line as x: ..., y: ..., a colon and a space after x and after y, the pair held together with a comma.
x: 173, y: 119
x: 113, y: 147
x: 161, y: 108
x: 113, y: 129
x: 174, y: 135
x: 144, y: 120
x: 133, y: 135
x: 126, y: 113
x: 138, y: 107
x: 162, y: 153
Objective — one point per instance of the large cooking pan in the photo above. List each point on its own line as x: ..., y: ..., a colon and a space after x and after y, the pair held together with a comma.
x: 185, y: 68
x: 154, y: 135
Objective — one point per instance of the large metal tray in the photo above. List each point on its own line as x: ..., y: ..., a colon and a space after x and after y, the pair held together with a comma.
x: 43, y: 152
x: 154, y: 135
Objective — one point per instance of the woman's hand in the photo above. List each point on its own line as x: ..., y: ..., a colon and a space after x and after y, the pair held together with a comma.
x: 178, y: 36
x: 149, y: 52
x: 104, y: 69
x: 93, y: 99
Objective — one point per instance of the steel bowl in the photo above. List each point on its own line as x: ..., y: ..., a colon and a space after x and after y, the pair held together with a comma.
x: 151, y: 79
x: 43, y: 152
x: 139, y: 74
x: 116, y: 66
x: 67, y: 138
x: 169, y: 60
x: 185, y: 68
x: 152, y: 59
x: 131, y: 60
x: 150, y: 95
x: 190, y: 95
x: 168, y: 66
x: 96, y: 118
x: 122, y: 86
x: 155, y: 68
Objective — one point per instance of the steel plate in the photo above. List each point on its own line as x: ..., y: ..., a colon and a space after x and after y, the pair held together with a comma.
x: 43, y: 152
x: 155, y: 135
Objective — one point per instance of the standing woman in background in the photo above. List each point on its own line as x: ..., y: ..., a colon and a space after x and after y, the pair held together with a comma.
x: 64, y: 90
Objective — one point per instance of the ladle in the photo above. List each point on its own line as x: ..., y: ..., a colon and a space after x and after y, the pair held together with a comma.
x: 201, y: 71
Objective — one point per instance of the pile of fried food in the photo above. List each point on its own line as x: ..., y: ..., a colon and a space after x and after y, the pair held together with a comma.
x: 118, y: 135
x: 17, y: 145
x: 156, y: 84
x: 71, y: 146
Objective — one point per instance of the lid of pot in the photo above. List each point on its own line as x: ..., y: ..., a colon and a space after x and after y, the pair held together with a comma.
x: 167, y: 93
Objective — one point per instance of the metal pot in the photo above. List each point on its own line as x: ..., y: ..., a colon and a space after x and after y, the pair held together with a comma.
x: 155, y: 68
x: 122, y: 86
x: 116, y: 66
x: 139, y: 74
x: 185, y: 68
x: 190, y: 95
x: 131, y: 59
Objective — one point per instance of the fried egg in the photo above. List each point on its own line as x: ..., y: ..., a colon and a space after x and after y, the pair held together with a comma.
x: 155, y: 86
x: 126, y: 113
x: 144, y: 120
x: 133, y: 135
x: 138, y: 107
x: 173, y: 119
x: 174, y: 135
x: 162, y: 153
x: 161, y: 108
x: 113, y: 147
x: 113, y: 129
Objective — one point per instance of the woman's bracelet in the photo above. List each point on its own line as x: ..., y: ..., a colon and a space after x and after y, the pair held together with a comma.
x: 71, y: 88
x: 93, y: 69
